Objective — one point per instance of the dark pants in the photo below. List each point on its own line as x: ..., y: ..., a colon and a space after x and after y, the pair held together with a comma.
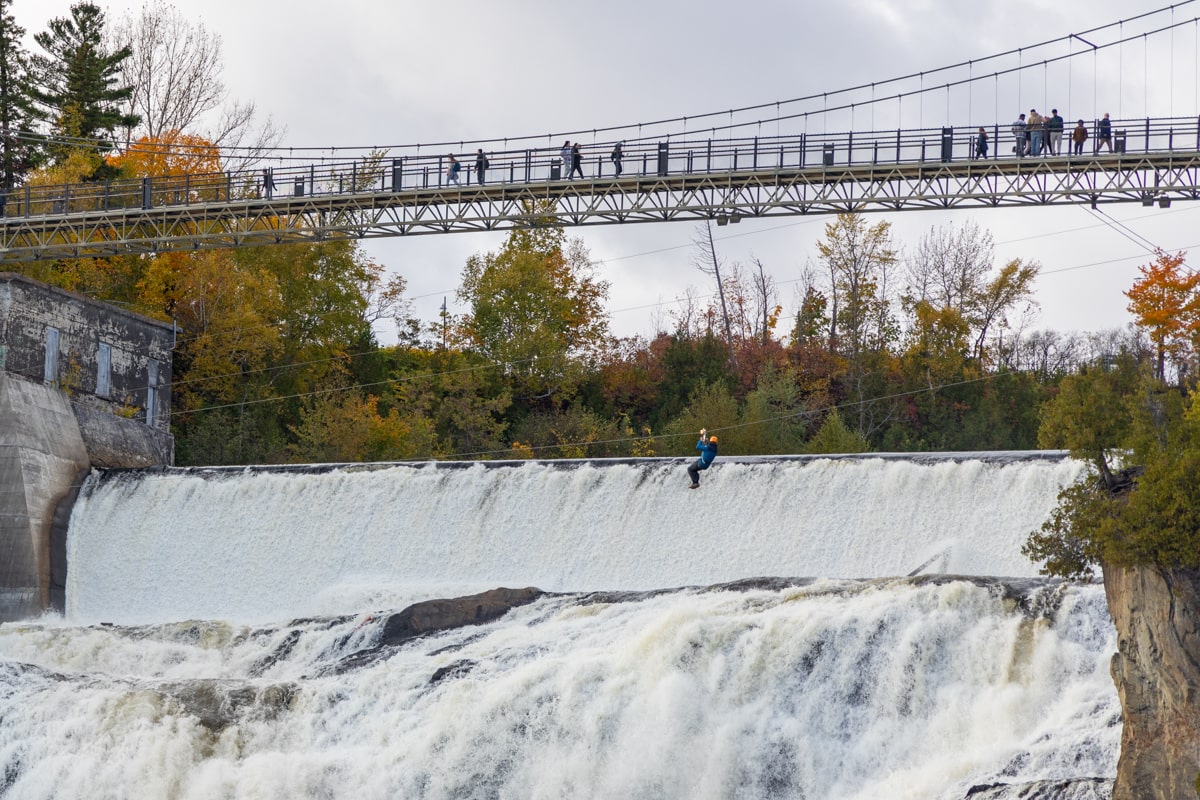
x: 694, y: 470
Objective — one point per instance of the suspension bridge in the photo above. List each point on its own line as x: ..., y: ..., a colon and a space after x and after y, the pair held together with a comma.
x: 671, y: 175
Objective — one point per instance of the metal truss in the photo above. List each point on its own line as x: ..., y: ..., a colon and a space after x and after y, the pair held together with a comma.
x: 1121, y: 178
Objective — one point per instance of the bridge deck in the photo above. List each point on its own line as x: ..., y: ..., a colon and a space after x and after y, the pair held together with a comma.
x: 673, y: 181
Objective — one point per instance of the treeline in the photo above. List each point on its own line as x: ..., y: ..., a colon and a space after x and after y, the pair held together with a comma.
x: 277, y: 357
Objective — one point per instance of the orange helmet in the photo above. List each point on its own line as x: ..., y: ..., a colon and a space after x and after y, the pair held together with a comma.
x: 712, y: 438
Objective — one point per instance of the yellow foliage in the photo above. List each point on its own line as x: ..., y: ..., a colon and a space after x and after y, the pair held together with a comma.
x: 342, y: 427
x: 227, y: 315
x: 75, y: 166
x: 643, y: 446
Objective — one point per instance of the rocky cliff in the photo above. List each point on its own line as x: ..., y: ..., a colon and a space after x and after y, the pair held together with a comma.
x: 1157, y: 673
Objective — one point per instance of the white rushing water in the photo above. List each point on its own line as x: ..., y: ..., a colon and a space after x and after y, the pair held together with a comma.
x: 225, y: 637
x: 834, y: 690
x: 267, y: 544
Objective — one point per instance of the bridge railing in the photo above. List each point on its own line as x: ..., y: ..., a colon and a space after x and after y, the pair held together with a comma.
x: 517, y: 167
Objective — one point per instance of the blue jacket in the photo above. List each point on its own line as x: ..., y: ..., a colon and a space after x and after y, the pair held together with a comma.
x: 707, y: 453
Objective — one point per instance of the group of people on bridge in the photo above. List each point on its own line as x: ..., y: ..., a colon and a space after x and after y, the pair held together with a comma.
x: 571, y: 156
x: 1041, y: 135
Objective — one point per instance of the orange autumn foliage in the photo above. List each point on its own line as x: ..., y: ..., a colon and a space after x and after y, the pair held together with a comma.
x: 1165, y: 302
x: 173, y: 153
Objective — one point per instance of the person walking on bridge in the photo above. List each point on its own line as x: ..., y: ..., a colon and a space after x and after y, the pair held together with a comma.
x: 453, y: 170
x: 565, y: 154
x: 616, y: 157
x: 981, y: 143
x: 708, y: 451
x: 576, y: 161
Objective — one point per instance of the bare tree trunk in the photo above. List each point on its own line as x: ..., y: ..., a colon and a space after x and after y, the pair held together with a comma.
x: 765, y: 290
x: 712, y: 265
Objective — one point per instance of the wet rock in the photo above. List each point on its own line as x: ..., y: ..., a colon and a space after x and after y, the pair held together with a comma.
x: 1075, y: 789
x: 432, y: 616
x: 220, y: 704
x: 281, y: 651
x: 455, y: 670
x: 440, y: 615
x: 1157, y: 672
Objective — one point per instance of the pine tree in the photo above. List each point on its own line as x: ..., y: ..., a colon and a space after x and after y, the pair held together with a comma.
x: 79, y: 80
x: 19, y: 114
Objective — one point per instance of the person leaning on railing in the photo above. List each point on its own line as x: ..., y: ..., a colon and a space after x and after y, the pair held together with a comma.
x: 1018, y: 132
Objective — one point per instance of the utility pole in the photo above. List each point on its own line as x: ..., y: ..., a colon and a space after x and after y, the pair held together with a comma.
x: 444, y: 317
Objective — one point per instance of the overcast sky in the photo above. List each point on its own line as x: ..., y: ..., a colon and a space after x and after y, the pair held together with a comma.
x: 358, y: 73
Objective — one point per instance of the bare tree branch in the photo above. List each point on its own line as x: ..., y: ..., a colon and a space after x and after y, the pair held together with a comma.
x: 176, y: 72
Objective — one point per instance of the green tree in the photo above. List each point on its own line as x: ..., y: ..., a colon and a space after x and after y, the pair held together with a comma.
x: 1091, y: 415
x: 687, y: 364
x: 1148, y: 515
x: 537, y: 310
x: 321, y: 309
x: 860, y: 261
x: 811, y: 321
x: 20, y: 115
x: 711, y: 406
x: 460, y: 393
x: 78, y: 80
x: 263, y: 330
x: 834, y: 437
x: 775, y: 416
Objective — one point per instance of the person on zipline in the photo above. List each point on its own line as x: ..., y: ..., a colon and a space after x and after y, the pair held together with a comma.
x: 708, y: 451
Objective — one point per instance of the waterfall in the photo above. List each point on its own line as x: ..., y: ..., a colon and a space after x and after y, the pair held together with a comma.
x: 811, y: 628
x: 261, y: 544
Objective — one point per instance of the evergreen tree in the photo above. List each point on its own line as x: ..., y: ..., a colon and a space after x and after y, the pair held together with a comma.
x: 79, y: 80
x: 19, y: 114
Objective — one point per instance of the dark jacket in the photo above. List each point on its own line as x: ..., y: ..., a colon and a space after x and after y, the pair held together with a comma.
x: 707, y: 453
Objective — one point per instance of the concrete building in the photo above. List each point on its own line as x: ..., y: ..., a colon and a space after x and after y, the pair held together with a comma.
x: 82, y: 384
